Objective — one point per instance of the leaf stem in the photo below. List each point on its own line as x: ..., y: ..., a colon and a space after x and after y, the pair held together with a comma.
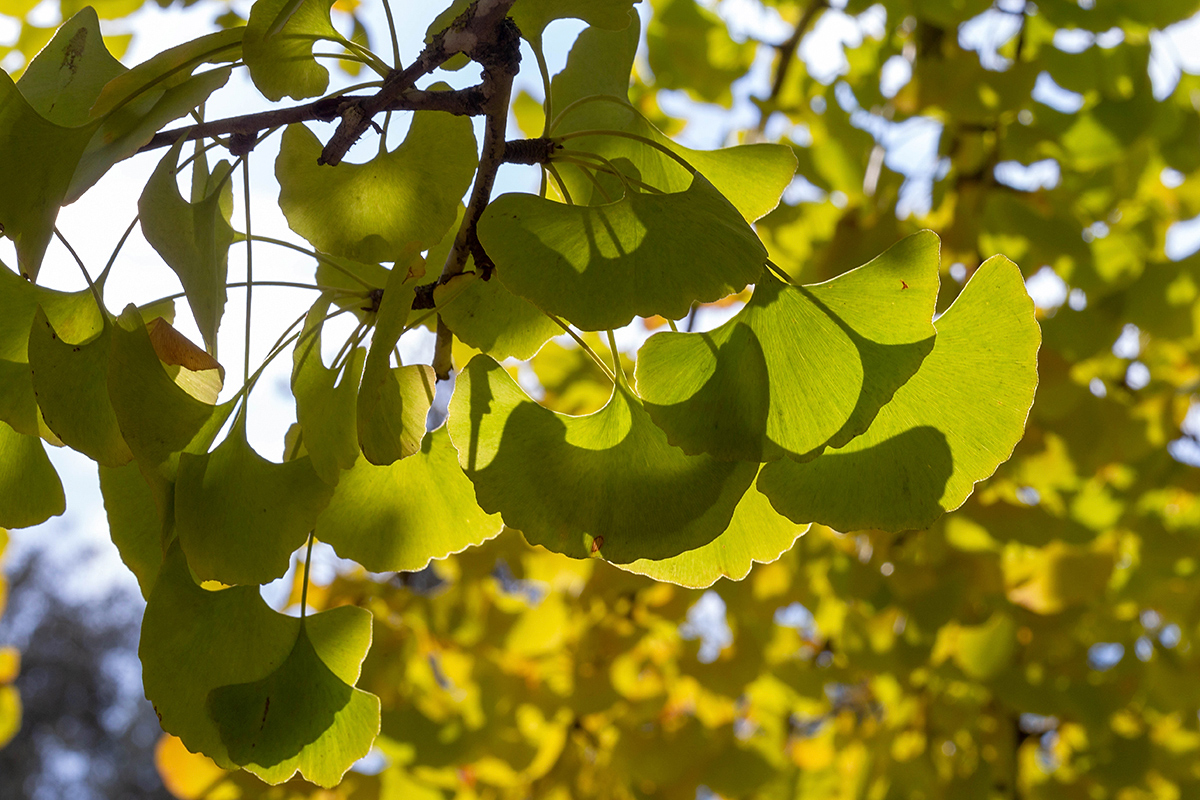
x: 584, y: 345
x: 318, y: 256
x: 635, y: 137
x: 547, y: 103
x: 249, y: 266
x: 83, y: 269
x: 582, y: 101
x: 616, y: 354
x: 112, y: 258
x: 561, y: 186
x: 307, y: 564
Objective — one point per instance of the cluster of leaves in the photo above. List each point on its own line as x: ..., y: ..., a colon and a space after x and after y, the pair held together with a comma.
x: 842, y: 403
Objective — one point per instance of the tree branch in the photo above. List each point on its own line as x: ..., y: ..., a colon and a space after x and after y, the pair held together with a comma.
x: 476, y: 32
x: 787, y: 54
x: 462, y: 102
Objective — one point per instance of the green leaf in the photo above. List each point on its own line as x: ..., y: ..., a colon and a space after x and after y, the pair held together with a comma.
x: 398, y: 202
x: 196, y: 641
x: 756, y: 534
x: 689, y: 48
x: 39, y: 160
x: 606, y: 483
x: 281, y: 63
x: 193, y: 238
x: 399, y: 517
x: 392, y: 401
x: 65, y: 78
x: 751, y: 176
x: 157, y: 417
x: 532, y: 16
x: 71, y: 383
x: 600, y: 266
x: 30, y: 491
x: 304, y: 717
x: 18, y: 405
x: 133, y: 522
x: 169, y: 69
x: 74, y: 315
x: 485, y: 314
x: 239, y: 516
x: 799, y: 367
x: 325, y: 405
x: 126, y: 129
x: 950, y: 426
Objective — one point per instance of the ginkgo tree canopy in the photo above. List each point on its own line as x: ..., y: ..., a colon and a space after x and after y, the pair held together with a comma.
x: 566, y: 496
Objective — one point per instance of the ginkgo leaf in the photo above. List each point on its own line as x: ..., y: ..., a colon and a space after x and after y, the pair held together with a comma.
x: 606, y: 483
x: 74, y: 315
x: 751, y: 176
x: 392, y: 401
x: 156, y: 415
x: 71, y: 383
x: 39, y: 160
x: 239, y: 516
x: 532, y: 16
x: 757, y: 534
x: 196, y: 641
x: 397, y: 202
x: 950, y: 426
x: 67, y: 76
x: 304, y: 717
x: 192, y: 238
x: 281, y: 62
x: 134, y: 523
x: 798, y: 367
x: 485, y: 314
x: 398, y: 517
x: 18, y: 405
x: 30, y: 491
x: 325, y: 403
x: 646, y: 254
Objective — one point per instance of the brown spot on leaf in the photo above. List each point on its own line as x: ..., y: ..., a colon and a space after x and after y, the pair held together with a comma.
x: 597, y: 543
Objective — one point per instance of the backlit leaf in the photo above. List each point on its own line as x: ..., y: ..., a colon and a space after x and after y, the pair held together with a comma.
x: 239, y: 516
x: 950, y: 426
x: 71, y: 383
x: 401, y: 200
x: 757, y: 534
x: 281, y: 62
x: 607, y: 483
x: 193, y: 238
x: 600, y: 266
x: 400, y: 516
x: 30, y: 491
x: 798, y: 367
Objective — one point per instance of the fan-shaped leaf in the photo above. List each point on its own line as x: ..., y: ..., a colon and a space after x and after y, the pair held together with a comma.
x: 30, y: 491
x: 325, y: 406
x: 607, y: 483
x: 798, y: 367
x: 398, y: 201
x: 193, y: 238
x: 134, y: 523
x: 392, y: 401
x: 751, y: 176
x: 398, y: 517
x: 239, y: 516
x: 757, y: 534
x: 306, y: 716
x: 281, y: 61
x: 600, y: 266
x: 71, y: 382
x: 950, y: 426
x: 195, y: 641
x: 156, y: 415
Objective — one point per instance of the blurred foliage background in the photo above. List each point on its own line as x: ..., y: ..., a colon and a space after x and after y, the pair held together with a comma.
x: 1038, y: 643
